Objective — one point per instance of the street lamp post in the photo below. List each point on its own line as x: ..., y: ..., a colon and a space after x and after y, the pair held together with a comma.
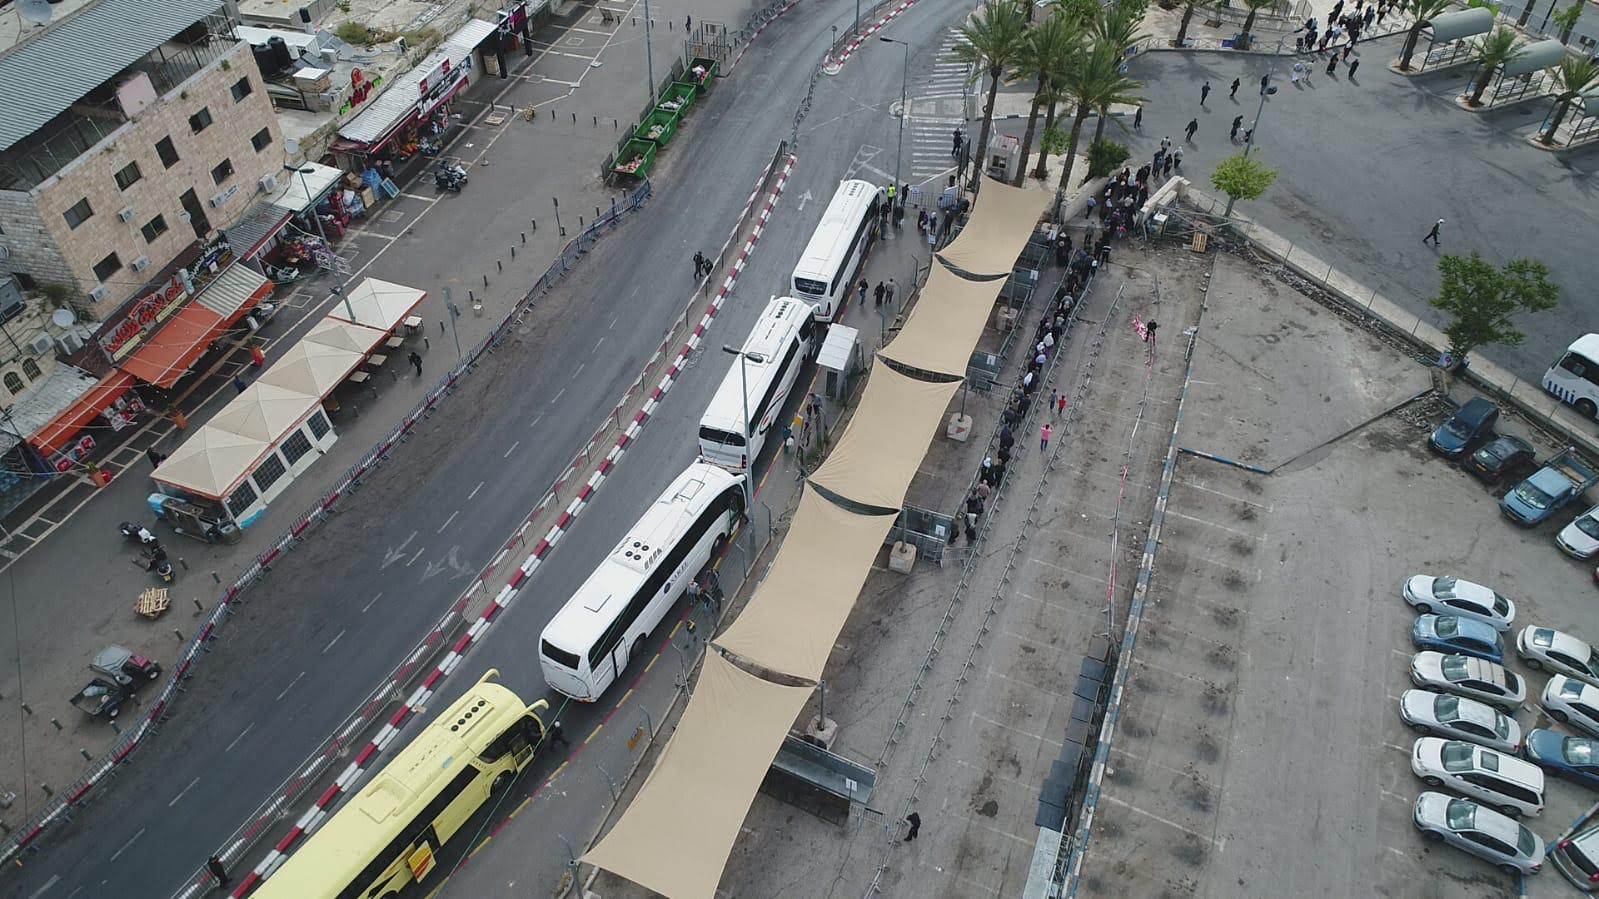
x: 337, y: 288
x: 749, y: 458
x: 904, y: 75
x: 1267, y: 89
x: 454, y: 312
x: 649, y: 56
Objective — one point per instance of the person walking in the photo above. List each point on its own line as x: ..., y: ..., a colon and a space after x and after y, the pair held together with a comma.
x: 1193, y: 126
x: 915, y: 821
x: 888, y: 292
x: 1233, y: 94
x: 1138, y: 119
x: 1433, y: 234
x: 1165, y: 145
x: 1060, y: 406
x: 215, y: 866
x: 416, y: 362
x: 558, y: 735
x: 155, y: 456
x: 1044, y: 433
x: 238, y: 384
x: 1177, y: 159
x: 955, y: 147
x: 1332, y: 65
x: 1238, y: 122
x: 1353, y: 65
x: 1204, y: 93
x: 1167, y: 170
x: 877, y: 294
x: 861, y: 289
x: 699, y: 265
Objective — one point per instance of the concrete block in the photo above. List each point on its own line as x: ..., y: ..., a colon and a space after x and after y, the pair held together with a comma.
x: 960, y: 427
x: 902, y: 558
x: 1004, y: 319
x: 823, y: 730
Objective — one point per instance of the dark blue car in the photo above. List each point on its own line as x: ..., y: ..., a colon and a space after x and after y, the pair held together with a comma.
x: 1574, y: 758
x: 1462, y: 636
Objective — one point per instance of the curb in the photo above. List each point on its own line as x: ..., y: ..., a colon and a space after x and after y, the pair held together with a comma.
x: 837, y: 65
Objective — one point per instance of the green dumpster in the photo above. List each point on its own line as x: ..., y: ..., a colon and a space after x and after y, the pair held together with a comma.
x: 635, y: 158
x: 658, y: 126
x: 678, y: 98
x: 699, y: 73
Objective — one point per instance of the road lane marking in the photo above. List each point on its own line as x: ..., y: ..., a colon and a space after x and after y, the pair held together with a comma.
x: 127, y: 844
x: 597, y: 344
x: 510, y: 451
x: 457, y: 511
x: 372, y: 601
x: 182, y: 792
x: 535, y: 420
x: 290, y: 686
x: 239, y: 737
x: 475, y: 490
x: 415, y: 557
x: 331, y: 642
x: 54, y: 879
x: 558, y: 396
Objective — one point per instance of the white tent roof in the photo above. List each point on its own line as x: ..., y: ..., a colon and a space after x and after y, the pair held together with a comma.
x: 341, y: 335
x: 299, y: 189
x: 311, y: 368
x: 211, y: 461
x: 378, y: 304
x: 265, y: 412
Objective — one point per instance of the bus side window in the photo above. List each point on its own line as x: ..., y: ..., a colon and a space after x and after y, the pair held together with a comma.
x: 807, y: 325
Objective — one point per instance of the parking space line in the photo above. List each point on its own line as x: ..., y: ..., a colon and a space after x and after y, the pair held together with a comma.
x: 1000, y: 724
x: 1096, y: 615
x: 1030, y: 641
x: 1093, y: 578
x: 1036, y: 688
x: 1218, y: 843
x: 1103, y: 476
x: 1185, y: 482
x: 1146, y: 760
x: 997, y: 832
x: 978, y: 889
x: 1214, y: 606
x: 1397, y: 748
x: 1259, y: 539
x: 1139, y: 660
x: 1398, y: 797
x: 989, y: 772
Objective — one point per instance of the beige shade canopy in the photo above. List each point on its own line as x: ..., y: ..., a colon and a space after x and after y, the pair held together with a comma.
x: 887, y: 436
x: 946, y: 323
x: 792, y: 622
x: 311, y: 368
x: 341, y: 335
x: 378, y: 304
x: 1001, y: 222
x: 211, y: 462
x: 676, y: 835
x: 265, y: 412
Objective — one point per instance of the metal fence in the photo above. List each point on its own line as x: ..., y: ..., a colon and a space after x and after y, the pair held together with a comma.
x: 27, y: 836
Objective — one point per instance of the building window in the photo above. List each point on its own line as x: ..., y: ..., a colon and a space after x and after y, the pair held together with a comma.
x: 31, y: 369
x: 128, y: 176
x: 262, y: 139
x: 14, y: 383
x: 242, y: 499
x: 318, y: 423
x: 241, y: 89
x: 107, y: 267
x: 200, y: 120
x: 268, y: 472
x: 167, y: 152
x: 80, y: 212
x: 154, y: 228
x: 223, y: 171
x: 295, y: 448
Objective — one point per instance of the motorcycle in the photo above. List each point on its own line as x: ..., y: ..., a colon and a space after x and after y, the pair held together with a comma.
x: 450, y: 177
x: 138, y: 533
x: 157, y: 563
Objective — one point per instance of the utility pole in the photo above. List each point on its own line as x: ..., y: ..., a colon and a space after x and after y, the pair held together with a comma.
x: 649, y: 56
x: 904, y: 110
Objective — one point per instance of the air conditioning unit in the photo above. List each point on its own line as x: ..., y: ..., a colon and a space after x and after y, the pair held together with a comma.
x: 125, y: 213
x: 41, y: 343
x: 269, y: 184
x: 217, y: 201
x: 140, y: 264
x: 98, y: 293
x: 70, y: 343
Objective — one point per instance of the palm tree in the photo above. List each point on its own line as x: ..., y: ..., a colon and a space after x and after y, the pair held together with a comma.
x: 1254, y: 7
x: 1117, y: 25
x: 995, y: 38
x: 1422, y: 11
x: 1566, y: 20
x: 1500, y: 46
x: 1118, y: 91
x: 1046, y: 51
x: 1526, y: 13
x: 1573, y: 78
x: 1095, y: 76
x: 1188, y: 16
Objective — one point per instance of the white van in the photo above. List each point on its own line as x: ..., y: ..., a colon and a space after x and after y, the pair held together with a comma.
x: 784, y: 337
x: 1502, y: 781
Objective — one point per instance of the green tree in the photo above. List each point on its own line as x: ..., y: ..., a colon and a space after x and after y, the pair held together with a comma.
x: 1254, y: 7
x: 1241, y: 178
x: 1481, y: 300
x: 1526, y: 13
x: 1117, y: 25
x: 1422, y: 12
x: 1500, y: 46
x: 1566, y: 20
x: 1105, y: 156
x: 1188, y: 16
x: 1091, y: 83
x: 1573, y: 78
x: 1047, y: 51
x: 995, y: 37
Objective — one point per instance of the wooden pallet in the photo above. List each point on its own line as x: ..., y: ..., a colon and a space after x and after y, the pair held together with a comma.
x: 153, y: 603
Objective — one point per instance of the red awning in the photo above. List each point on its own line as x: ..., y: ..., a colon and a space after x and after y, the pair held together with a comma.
x: 64, y: 427
x: 185, y: 338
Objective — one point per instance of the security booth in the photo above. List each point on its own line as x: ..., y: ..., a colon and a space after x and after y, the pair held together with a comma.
x: 1449, y: 37
x: 1524, y: 78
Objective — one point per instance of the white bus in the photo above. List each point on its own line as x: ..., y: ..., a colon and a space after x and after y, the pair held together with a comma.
x: 833, y: 258
x: 783, y: 338
x: 588, y: 644
x: 1575, y: 378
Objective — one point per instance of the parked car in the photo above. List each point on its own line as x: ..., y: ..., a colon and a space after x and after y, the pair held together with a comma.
x: 1546, y: 649
x: 1440, y: 714
x: 1500, y: 458
x: 1576, y: 857
x: 1481, y: 831
x: 1562, y: 480
x: 1469, y: 677
x: 1454, y: 596
x: 1574, y: 758
x: 1454, y: 634
x: 1504, y: 782
x: 1570, y: 701
x: 1580, y: 539
x: 1472, y: 424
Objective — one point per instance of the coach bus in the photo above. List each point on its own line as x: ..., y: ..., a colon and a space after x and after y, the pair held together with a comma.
x: 833, y: 259
x: 1574, y: 378
x: 758, y: 384
x: 389, y: 834
x: 589, y: 643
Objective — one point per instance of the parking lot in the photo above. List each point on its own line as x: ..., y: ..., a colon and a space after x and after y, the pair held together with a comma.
x: 1260, y: 750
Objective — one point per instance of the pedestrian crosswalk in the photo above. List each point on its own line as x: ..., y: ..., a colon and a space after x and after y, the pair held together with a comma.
x: 938, y: 108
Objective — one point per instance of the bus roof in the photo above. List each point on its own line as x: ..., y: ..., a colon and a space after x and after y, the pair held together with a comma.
x: 769, y: 338
x: 343, y: 846
x: 1586, y: 345
x: 585, y: 617
x: 836, y: 229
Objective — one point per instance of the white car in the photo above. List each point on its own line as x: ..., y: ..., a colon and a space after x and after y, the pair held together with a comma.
x: 1508, y: 784
x: 1456, y: 716
x: 1580, y: 539
x: 1544, y: 648
x: 1453, y: 596
x: 1480, y: 831
x: 1570, y: 701
x: 1470, y: 677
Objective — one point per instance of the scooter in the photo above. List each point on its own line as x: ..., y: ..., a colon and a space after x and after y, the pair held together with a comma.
x: 157, y: 563
x: 450, y: 177
x: 138, y: 533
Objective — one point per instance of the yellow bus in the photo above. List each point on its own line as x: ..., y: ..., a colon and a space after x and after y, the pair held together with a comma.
x: 389, y: 834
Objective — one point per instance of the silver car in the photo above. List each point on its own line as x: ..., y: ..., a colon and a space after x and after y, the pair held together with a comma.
x: 1577, y: 857
x: 1546, y: 649
x: 1455, y: 716
x: 1454, y: 596
x: 1570, y: 701
x: 1469, y: 677
x: 1479, y: 830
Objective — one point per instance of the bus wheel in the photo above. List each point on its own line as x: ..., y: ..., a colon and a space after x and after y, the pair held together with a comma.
x: 1587, y: 408
x: 500, y: 783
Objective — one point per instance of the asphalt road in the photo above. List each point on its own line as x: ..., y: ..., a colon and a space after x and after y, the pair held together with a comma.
x: 337, y: 615
x: 1366, y: 167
